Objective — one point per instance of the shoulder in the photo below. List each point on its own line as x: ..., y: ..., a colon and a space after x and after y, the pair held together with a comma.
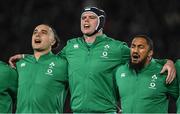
x: 4, y: 66
x: 27, y: 58
x: 177, y: 62
x: 177, y: 65
x: 74, y: 40
x: 118, y: 45
x: 156, y: 64
x: 122, y: 67
x: 61, y: 59
x: 116, y: 42
x: 6, y: 69
x: 120, y: 48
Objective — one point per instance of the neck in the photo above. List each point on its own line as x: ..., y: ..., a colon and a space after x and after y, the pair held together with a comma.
x: 38, y: 54
x: 91, y: 39
x: 147, y: 61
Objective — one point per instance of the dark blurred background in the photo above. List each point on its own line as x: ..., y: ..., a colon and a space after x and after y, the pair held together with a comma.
x: 159, y: 19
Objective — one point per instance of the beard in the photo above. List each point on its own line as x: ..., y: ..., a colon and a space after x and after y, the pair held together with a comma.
x: 137, y: 66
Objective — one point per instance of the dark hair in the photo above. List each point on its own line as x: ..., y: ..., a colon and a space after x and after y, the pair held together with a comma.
x: 148, y: 40
x: 56, y: 37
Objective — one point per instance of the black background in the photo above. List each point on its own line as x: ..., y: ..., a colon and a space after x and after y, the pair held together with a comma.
x: 159, y: 19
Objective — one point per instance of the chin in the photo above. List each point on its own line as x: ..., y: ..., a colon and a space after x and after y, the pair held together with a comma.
x: 37, y: 49
x: 135, y: 62
x: 138, y: 65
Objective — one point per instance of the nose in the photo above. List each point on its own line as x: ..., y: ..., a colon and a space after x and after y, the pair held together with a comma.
x: 86, y: 19
x: 135, y: 49
x: 37, y: 34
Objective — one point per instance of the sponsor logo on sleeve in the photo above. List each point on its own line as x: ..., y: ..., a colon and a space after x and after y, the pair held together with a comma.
x: 76, y: 46
x: 23, y: 65
x: 123, y: 75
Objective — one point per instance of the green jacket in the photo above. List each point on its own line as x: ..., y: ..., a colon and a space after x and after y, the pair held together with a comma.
x: 144, y: 91
x: 8, y: 88
x: 41, y: 84
x: 177, y: 64
x: 90, y: 69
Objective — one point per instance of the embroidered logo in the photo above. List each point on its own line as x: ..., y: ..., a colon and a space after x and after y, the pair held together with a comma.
x: 50, y: 69
x: 123, y: 75
x: 23, y: 64
x: 76, y: 46
x: 152, y: 84
x: 105, y: 51
x: 106, y: 47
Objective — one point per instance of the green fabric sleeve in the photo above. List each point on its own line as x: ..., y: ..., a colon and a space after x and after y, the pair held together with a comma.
x: 125, y: 54
x: 173, y: 89
x: 161, y: 61
x: 13, y: 82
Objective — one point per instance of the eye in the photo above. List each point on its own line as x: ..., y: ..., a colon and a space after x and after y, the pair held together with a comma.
x: 44, y: 32
x: 141, y: 47
x: 83, y: 17
x: 93, y: 17
x: 132, y: 46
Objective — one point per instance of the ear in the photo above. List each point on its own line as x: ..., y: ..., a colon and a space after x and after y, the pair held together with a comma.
x: 53, y: 42
x: 150, y: 54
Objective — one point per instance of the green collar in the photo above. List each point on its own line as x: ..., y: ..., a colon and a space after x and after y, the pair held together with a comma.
x: 152, y: 62
x: 97, y: 40
x: 44, y: 57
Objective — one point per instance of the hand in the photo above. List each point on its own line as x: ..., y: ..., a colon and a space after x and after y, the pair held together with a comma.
x: 12, y: 60
x: 169, y: 66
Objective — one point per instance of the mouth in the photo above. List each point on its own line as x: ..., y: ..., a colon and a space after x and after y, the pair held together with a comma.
x: 135, y: 57
x: 86, y: 26
x: 37, y: 41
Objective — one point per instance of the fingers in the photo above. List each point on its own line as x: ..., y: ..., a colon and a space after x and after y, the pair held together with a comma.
x: 171, y: 76
x: 170, y: 68
x: 12, y: 61
x: 163, y: 69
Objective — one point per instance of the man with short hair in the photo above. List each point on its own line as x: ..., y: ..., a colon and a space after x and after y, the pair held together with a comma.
x: 42, y: 76
x: 142, y: 89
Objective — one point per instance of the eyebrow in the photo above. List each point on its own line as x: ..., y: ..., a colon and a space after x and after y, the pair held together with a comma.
x: 43, y: 30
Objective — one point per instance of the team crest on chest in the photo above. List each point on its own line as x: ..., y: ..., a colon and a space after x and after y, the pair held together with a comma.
x: 152, y: 84
x: 49, y: 71
x: 104, y: 53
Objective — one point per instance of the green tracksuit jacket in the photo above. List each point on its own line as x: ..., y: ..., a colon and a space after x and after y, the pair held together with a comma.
x: 144, y: 91
x: 41, y: 84
x: 8, y: 88
x: 90, y: 69
x: 177, y: 64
